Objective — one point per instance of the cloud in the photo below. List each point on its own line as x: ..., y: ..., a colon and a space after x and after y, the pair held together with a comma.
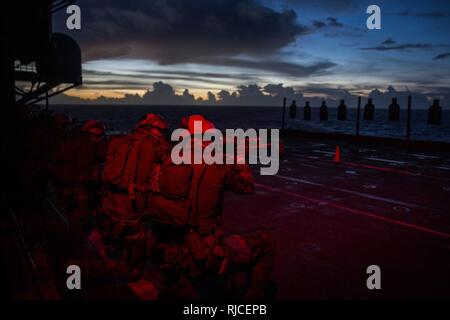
x: 389, y: 41
x: 332, y: 28
x: 333, y: 22
x: 391, y: 45
x: 400, y: 47
x: 383, y: 99
x: 278, y: 90
x: 269, y: 95
x: 431, y: 14
x: 178, y: 31
x: 329, y: 22
x: 143, y: 77
x: 164, y: 94
x: 442, y: 56
x: 327, y: 6
x: 317, y: 24
x: 328, y: 91
x: 280, y: 67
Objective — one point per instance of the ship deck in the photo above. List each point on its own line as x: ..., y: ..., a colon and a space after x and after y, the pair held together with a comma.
x: 381, y: 205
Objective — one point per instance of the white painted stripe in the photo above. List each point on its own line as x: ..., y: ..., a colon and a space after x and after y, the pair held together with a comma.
x: 386, y: 160
x: 362, y: 213
x: 309, y: 166
x: 369, y: 196
x: 323, y: 152
x: 361, y: 194
x: 442, y: 168
x: 424, y: 156
x: 300, y: 180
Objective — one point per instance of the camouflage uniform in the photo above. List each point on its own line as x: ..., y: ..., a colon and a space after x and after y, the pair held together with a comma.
x: 202, y: 249
x: 245, y: 259
x: 76, y: 184
x: 122, y: 223
x: 248, y: 257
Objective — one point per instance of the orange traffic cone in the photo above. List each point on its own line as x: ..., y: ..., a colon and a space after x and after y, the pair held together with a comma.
x: 337, y: 155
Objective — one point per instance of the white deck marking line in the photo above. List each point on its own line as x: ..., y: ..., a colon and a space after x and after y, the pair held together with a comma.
x: 300, y: 180
x: 442, y: 168
x: 309, y: 166
x: 361, y: 194
x: 350, y: 164
x: 424, y: 156
x: 323, y: 152
x: 383, y: 199
x: 386, y: 160
x: 362, y: 213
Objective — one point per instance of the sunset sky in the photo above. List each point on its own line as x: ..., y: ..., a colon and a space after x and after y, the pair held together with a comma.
x: 212, y: 45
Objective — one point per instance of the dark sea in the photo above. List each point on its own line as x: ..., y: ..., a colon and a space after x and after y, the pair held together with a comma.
x: 122, y: 118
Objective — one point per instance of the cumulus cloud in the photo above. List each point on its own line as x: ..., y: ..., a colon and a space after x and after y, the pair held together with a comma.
x: 278, y: 90
x: 384, y: 98
x: 164, y: 94
x: 268, y: 95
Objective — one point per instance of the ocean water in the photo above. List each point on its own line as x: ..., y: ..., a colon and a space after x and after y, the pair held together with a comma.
x: 122, y: 118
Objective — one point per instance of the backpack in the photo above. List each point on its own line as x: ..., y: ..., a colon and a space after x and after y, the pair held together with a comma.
x: 122, y: 161
x: 175, y: 181
x: 176, y: 204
